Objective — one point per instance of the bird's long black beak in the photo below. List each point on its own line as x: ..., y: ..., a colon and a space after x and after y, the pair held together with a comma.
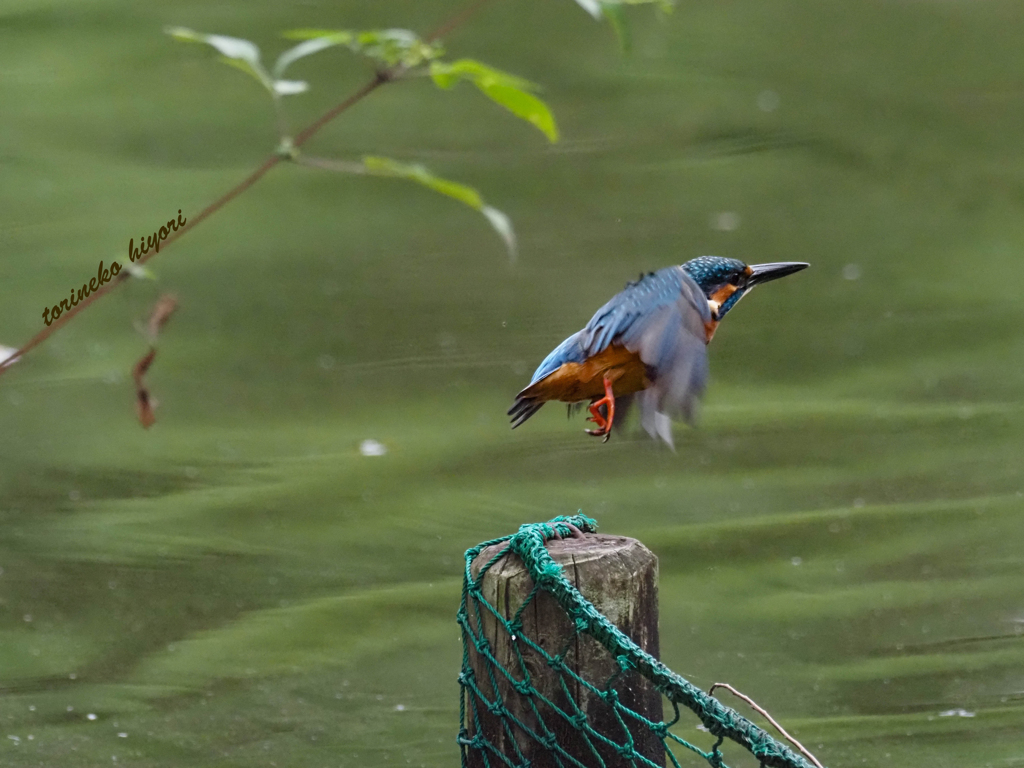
x: 763, y: 273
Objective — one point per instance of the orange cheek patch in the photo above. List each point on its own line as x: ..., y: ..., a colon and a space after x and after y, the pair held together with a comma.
x: 723, y: 293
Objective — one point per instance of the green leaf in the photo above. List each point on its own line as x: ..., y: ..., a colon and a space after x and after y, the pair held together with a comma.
x: 290, y: 87
x: 616, y: 15
x: 309, y: 34
x: 139, y: 271
x: 391, y: 47
x: 524, y: 105
x: 665, y: 6
x: 309, y: 47
x: 447, y: 74
x: 232, y: 47
x: 510, y: 91
x: 235, y: 52
x: 614, y: 11
x: 593, y: 7
x: 6, y: 353
x: 503, y: 226
x: 383, y: 166
x: 261, y: 77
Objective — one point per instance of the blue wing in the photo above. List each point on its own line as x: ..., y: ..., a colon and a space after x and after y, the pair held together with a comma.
x: 631, y: 312
x: 626, y: 317
x: 569, y: 351
x: 661, y: 317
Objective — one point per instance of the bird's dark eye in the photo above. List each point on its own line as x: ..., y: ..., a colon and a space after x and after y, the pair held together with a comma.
x: 738, y: 279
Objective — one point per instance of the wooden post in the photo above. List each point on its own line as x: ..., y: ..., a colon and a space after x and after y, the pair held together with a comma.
x: 620, y: 577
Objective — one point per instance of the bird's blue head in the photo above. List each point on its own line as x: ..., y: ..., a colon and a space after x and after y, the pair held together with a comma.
x: 726, y: 281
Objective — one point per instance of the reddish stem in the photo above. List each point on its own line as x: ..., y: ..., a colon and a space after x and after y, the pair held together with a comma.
x: 216, y: 205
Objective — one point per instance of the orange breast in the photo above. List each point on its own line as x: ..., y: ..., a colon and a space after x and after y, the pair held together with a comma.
x: 574, y: 382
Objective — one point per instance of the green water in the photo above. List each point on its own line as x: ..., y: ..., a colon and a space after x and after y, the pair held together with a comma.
x: 842, y: 538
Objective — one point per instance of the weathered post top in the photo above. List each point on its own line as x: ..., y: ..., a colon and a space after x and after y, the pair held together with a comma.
x: 559, y: 698
x: 536, y: 690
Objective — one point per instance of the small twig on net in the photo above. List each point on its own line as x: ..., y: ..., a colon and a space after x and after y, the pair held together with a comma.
x: 753, y: 705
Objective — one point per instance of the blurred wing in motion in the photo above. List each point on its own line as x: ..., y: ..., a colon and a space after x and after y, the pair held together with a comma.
x: 663, y: 317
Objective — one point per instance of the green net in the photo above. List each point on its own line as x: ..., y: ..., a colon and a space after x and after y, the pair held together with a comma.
x: 533, y: 709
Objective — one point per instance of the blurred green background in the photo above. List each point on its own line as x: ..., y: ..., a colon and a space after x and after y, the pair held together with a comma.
x: 841, y: 538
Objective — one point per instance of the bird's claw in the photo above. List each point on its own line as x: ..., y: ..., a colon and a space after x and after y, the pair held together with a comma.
x: 604, y: 424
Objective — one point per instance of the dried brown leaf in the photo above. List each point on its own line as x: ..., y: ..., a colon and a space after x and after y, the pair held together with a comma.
x: 162, y: 311
x: 143, y: 401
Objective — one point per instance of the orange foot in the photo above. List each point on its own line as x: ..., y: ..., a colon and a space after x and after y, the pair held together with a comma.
x: 604, y: 425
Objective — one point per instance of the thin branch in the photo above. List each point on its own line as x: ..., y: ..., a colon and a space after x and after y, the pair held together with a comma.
x: 219, y: 203
x: 456, y: 21
x: 66, y: 316
x: 379, y: 79
x: 307, y: 133
x: 44, y: 334
x: 769, y: 718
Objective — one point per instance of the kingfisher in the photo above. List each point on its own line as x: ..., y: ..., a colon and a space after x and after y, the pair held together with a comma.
x: 649, y: 343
